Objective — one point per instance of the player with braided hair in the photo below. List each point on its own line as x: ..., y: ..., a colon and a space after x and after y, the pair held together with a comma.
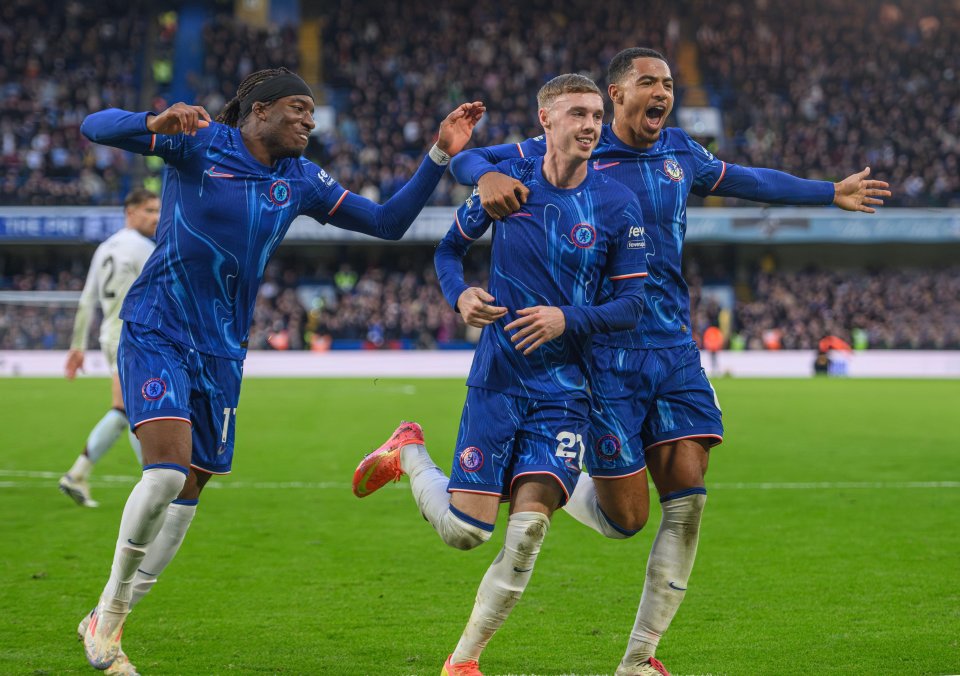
x: 231, y: 189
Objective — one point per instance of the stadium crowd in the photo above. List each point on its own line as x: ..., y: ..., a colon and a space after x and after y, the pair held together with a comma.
x: 399, y: 305
x: 807, y: 92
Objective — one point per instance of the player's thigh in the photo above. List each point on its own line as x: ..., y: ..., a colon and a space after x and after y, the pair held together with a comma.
x: 625, y: 499
x: 476, y: 505
x: 623, y: 385
x: 683, y: 423
x: 165, y: 441
x: 109, y: 351
x: 536, y: 493
x: 679, y: 465
x: 484, y: 450
x: 213, y: 408
x: 550, y: 446
x: 155, y: 379
x: 116, y: 392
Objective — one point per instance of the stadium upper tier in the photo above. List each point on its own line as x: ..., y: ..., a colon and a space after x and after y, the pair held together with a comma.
x: 819, y: 92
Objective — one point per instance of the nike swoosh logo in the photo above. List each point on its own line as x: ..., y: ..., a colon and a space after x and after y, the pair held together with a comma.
x: 362, y: 486
x: 213, y: 173
x: 137, y: 544
x: 673, y: 586
x: 601, y: 167
x: 520, y: 213
x: 524, y: 570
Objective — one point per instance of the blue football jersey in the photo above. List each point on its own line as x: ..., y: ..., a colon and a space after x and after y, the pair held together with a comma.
x: 558, y: 250
x: 662, y: 177
x: 222, y: 216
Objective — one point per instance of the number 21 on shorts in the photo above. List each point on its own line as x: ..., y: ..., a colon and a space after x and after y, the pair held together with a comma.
x: 567, y: 445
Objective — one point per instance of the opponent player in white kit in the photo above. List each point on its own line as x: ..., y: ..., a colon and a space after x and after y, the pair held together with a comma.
x: 115, y: 264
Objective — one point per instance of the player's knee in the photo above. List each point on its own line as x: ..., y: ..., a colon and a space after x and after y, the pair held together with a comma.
x: 622, y: 524
x: 165, y: 482
x: 461, y: 534
x: 525, y: 534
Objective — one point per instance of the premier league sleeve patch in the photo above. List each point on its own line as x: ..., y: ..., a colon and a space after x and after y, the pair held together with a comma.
x: 154, y: 389
x: 471, y: 459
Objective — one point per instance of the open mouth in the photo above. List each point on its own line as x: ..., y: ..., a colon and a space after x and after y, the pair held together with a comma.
x: 654, y: 116
x: 585, y: 142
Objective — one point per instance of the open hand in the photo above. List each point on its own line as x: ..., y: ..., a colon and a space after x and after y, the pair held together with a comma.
x: 501, y: 195
x: 856, y: 193
x: 179, y: 118
x: 457, y: 128
x: 475, y: 308
x: 535, y: 326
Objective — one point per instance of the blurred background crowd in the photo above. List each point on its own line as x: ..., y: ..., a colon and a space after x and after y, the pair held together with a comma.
x: 818, y: 93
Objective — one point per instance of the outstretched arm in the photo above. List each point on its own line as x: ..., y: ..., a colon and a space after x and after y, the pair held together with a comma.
x: 854, y: 193
x: 392, y: 219
x: 136, y: 132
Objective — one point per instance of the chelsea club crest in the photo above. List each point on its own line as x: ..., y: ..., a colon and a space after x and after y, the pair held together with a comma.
x: 673, y: 170
x: 583, y: 235
x: 279, y: 193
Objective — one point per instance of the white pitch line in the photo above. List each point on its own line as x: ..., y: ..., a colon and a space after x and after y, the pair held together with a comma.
x: 105, y: 480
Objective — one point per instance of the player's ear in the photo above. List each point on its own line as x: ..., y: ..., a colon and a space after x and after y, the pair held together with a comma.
x: 544, y: 118
x: 613, y: 91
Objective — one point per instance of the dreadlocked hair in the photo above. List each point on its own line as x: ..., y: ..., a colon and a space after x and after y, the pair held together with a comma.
x: 230, y: 115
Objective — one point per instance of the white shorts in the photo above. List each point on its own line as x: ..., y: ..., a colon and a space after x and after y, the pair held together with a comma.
x: 109, y: 351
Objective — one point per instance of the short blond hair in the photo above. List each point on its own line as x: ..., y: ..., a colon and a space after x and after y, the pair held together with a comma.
x: 568, y: 83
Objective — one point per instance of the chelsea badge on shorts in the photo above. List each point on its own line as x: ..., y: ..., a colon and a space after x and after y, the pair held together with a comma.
x: 471, y: 459
x: 153, y: 389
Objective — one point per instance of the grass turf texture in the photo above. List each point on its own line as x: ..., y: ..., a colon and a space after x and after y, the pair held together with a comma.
x: 310, y: 580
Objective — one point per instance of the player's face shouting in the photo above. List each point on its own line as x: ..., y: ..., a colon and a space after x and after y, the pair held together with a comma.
x: 574, y: 122
x: 643, y: 99
x: 291, y: 119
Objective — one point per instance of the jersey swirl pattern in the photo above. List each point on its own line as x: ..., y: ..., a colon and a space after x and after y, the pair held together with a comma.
x: 557, y: 250
x: 222, y: 216
x: 662, y: 177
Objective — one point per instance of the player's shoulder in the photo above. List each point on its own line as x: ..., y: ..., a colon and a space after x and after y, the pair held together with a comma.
x: 615, y: 194
x: 521, y: 168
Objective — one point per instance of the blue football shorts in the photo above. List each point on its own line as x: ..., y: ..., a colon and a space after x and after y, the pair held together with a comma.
x: 162, y: 379
x: 644, y: 398
x: 503, y: 437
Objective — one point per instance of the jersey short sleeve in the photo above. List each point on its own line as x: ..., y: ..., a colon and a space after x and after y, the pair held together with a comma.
x: 322, y: 194
x: 627, y: 257
x: 709, y: 168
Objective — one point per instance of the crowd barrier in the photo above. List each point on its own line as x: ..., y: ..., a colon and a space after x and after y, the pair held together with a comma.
x: 456, y: 364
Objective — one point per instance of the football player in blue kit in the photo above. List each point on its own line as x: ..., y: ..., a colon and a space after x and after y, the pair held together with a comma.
x: 527, y: 405
x: 654, y: 406
x: 231, y: 189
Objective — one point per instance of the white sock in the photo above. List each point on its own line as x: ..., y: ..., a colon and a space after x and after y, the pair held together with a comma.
x: 81, y: 468
x: 504, y: 582
x: 105, y: 433
x: 584, y: 506
x: 135, y: 445
x: 429, y: 486
x: 143, y: 516
x: 163, y: 549
x: 668, y: 570
x: 427, y: 482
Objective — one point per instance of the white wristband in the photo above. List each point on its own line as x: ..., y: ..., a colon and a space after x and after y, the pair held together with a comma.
x: 438, y: 156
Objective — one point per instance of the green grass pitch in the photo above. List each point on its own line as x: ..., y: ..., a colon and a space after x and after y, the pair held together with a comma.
x: 830, y: 542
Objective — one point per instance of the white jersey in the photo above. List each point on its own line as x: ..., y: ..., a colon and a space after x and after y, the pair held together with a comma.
x: 116, y: 263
